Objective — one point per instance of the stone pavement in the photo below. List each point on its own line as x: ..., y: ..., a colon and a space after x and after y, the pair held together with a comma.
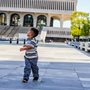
x: 69, y: 72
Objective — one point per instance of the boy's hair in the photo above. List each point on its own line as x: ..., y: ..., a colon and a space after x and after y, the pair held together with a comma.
x: 36, y: 32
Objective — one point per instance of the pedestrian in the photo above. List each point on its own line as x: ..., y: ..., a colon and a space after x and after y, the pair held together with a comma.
x: 31, y: 56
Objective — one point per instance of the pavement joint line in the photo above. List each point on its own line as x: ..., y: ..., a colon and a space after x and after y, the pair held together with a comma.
x: 4, y: 76
x: 44, y: 74
x: 9, y: 72
x: 79, y: 78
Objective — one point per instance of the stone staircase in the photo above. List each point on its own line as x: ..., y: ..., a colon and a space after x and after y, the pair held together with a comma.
x: 11, y: 31
x: 7, y: 32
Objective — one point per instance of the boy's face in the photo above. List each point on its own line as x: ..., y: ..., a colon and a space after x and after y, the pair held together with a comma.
x: 30, y: 34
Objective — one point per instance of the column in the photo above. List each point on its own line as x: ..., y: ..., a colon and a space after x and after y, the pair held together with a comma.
x: 8, y: 19
x: 19, y: 4
x: 48, y: 21
x: 25, y: 4
x: 75, y: 4
x: 34, y: 21
x: 13, y: 3
x: 61, y: 22
x: 60, y: 6
x: 8, y: 3
x: 63, y: 5
x: 70, y: 6
x: 21, y: 19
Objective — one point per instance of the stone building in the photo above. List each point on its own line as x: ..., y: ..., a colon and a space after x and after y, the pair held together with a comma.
x: 33, y: 13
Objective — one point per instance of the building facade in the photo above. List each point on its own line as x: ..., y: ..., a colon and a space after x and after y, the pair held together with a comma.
x: 33, y: 13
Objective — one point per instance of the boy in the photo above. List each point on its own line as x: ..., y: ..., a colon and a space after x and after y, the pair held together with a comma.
x: 31, y: 56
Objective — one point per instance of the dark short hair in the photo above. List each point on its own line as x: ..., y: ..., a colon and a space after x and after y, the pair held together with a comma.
x: 36, y: 32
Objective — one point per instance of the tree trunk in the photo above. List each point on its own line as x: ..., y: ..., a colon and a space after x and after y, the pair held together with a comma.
x: 78, y: 37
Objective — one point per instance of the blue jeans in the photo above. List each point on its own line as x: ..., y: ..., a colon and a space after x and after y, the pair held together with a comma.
x: 31, y: 64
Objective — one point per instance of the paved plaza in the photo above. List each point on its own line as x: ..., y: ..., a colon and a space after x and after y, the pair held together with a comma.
x: 61, y: 67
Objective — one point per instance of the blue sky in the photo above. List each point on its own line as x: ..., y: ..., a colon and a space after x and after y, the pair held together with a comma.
x: 82, y: 5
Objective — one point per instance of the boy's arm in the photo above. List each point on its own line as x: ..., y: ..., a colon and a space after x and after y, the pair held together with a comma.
x: 26, y: 47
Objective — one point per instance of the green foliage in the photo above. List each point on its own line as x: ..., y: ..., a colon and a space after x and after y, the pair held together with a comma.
x: 80, y: 24
x: 40, y: 25
x: 75, y: 31
x: 86, y: 29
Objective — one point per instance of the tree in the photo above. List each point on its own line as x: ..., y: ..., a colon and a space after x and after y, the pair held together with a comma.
x: 75, y: 31
x: 86, y: 28
x: 41, y: 24
x: 77, y: 23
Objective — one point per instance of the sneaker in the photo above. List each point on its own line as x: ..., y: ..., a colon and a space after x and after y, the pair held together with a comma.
x: 24, y: 81
x: 35, y: 79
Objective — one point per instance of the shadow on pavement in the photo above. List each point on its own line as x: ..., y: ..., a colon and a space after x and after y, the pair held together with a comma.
x: 53, y: 76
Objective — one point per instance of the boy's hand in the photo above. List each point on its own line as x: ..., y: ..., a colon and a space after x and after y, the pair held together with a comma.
x: 22, y: 49
x: 24, y: 45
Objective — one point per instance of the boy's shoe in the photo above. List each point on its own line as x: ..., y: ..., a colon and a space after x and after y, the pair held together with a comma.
x: 24, y: 81
x: 35, y: 78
